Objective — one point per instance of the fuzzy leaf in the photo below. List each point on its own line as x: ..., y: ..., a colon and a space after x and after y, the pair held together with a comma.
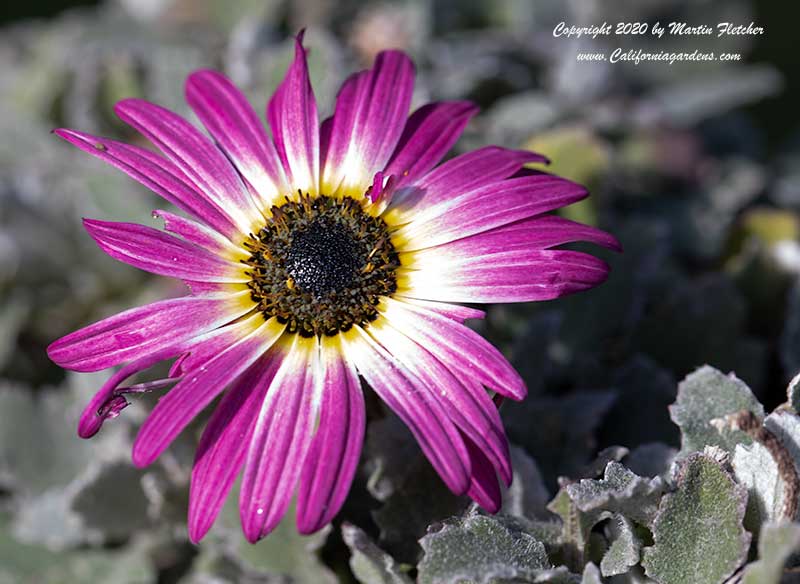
x: 370, y: 564
x: 48, y: 519
x: 112, y: 503
x: 776, y: 543
x: 756, y: 470
x: 708, y: 395
x: 793, y: 393
x: 591, y: 575
x: 624, y: 550
x: 619, y: 491
x: 576, y: 526
x: 480, y: 549
x: 786, y: 428
x: 698, y: 534
x: 38, y: 446
x: 22, y: 563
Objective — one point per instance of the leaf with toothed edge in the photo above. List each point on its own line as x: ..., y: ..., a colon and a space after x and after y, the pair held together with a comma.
x: 481, y: 550
x: 619, y: 491
x: 698, y: 534
x: 623, y: 553
x: 369, y: 563
x: 705, y: 397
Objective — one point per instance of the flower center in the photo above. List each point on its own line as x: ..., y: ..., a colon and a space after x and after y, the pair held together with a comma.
x: 321, y: 265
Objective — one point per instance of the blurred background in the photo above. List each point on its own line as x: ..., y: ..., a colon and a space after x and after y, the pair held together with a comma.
x: 694, y: 166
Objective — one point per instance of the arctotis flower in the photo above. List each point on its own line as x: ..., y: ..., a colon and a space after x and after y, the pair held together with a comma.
x: 315, y: 258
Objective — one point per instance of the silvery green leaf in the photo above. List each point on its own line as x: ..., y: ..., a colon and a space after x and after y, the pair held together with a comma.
x: 698, y: 534
x: 591, y: 574
x: 38, y: 446
x: 22, y: 563
x: 527, y: 496
x: 623, y: 553
x: 619, y: 491
x: 481, y: 550
x: 576, y: 528
x: 756, y: 470
x: 47, y: 519
x: 211, y: 566
x: 785, y: 426
x: 793, y: 393
x: 13, y: 313
x: 547, y: 532
x: 111, y: 502
x: 369, y: 563
x: 776, y: 542
x: 597, y: 467
x: 708, y: 395
x: 651, y: 460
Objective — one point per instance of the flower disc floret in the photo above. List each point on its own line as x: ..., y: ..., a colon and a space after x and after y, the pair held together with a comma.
x: 321, y: 265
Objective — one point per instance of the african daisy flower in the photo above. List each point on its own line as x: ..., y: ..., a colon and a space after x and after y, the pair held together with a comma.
x: 321, y: 255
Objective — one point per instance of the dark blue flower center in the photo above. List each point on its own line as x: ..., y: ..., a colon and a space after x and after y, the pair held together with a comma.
x: 321, y: 265
x: 323, y: 257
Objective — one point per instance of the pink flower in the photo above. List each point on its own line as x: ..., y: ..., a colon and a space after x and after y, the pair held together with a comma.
x: 324, y: 254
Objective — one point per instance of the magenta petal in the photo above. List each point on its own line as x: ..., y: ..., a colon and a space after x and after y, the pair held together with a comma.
x: 483, y: 486
x: 510, y: 276
x: 428, y: 135
x: 97, y: 411
x: 280, y: 441
x: 455, y: 345
x: 467, y: 404
x: 540, y: 232
x: 453, y: 311
x: 197, y: 157
x: 156, y: 173
x: 333, y: 457
x: 476, y: 168
x: 220, y: 454
x: 248, y: 341
x: 234, y: 124
x: 292, y: 115
x: 159, y: 253
x: 488, y: 207
x: 140, y: 331
x: 401, y: 390
x: 197, y: 233
x: 460, y: 175
x: 371, y: 111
